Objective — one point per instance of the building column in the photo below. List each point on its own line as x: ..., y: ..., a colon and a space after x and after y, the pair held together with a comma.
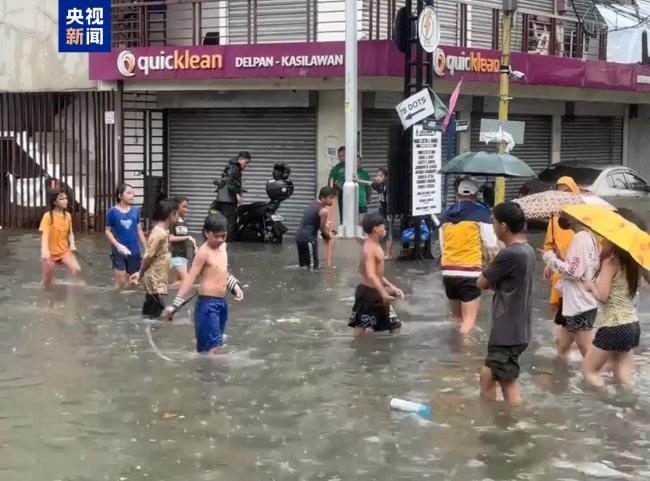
x: 556, y: 139
x: 464, y: 110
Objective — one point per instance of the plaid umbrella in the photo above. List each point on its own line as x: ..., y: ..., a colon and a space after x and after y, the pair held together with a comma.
x: 546, y: 204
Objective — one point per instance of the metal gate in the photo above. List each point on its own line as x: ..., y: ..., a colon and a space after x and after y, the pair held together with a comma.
x: 535, y: 151
x: 201, y: 141
x: 144, y: 141
x: 65, y: 139
x: 592, y: 140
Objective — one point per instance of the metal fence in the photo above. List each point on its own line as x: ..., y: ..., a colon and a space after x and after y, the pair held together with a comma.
x: 220, y: 22
x: 63, y: 139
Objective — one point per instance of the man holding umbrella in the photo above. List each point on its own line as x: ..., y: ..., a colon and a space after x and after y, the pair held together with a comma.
x: 466, y: 233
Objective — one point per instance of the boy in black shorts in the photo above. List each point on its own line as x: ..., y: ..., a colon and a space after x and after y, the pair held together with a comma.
x: 511, y: 276
x: 373, y: 297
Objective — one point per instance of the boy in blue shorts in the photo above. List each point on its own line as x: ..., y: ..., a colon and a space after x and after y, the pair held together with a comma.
x: 211, y: 264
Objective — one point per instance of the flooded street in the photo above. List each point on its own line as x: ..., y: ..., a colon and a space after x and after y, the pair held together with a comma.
x: 90, y: 392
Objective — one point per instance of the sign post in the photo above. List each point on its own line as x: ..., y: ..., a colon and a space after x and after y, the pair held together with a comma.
x: 416, y: 108
x: 426, y: 181
x: 428, y: 29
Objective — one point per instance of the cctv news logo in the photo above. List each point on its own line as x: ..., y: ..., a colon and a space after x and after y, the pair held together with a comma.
x: 178, y: 60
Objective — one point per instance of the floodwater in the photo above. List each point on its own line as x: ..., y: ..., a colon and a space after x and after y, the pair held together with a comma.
x: 85, y: 395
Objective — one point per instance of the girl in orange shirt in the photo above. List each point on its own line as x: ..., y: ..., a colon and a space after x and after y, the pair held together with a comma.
x: 57, y: 241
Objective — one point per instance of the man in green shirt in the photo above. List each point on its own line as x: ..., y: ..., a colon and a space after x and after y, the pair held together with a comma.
x: 337, y: 179
x: 364, y: 190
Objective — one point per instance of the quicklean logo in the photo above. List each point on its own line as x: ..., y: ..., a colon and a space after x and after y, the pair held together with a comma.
x: 126, y: 63
x: 176, y: 60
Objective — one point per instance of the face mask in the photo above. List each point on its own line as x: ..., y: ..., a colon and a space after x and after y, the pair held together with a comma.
x: 564, y: 223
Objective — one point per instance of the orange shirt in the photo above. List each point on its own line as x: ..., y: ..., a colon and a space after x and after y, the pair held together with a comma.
x: 557, y: 237
x: 58, y: 228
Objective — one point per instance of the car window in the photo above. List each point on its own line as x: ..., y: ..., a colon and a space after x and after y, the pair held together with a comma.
x: 582, y: 175
x: 634, y: 182
x: 616, y: 180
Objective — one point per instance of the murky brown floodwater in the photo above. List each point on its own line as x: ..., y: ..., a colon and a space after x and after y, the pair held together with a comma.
x: 84, y: 396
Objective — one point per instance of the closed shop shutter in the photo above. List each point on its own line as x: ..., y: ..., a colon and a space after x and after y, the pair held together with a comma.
x: 535, y: 151
x: 449, y: 22
x: 375, y: 139
x: 276, y: 21
x: 201, y: 141
x: 592, y: 140
x: 480, y: 25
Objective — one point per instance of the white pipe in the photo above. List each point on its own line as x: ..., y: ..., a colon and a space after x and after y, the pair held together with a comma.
x: 350, y: 188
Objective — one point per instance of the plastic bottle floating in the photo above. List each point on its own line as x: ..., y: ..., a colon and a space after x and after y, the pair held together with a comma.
x: 421, y: 410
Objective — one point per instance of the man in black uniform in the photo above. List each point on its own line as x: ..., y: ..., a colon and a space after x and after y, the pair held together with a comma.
x: 229, y: 189
x: 314, y: 219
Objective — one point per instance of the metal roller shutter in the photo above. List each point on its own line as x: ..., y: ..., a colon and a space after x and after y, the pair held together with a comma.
x: 593, y: 140
x: 480, y: 26
x: 202, y: 140
x: 535, y: 151
x: 449, y: 23
x: 375, y: 138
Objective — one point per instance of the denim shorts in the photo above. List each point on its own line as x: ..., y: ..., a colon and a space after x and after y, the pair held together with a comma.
x: 179, y: 262
x: 129, y: 264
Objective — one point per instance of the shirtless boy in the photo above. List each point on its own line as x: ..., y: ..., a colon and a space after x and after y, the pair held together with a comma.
x: 211, y: 265
x: 373, y: 297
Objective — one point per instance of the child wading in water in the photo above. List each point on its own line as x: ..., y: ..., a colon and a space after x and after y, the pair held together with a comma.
x: 125, y: 234
x: 57, y: 241
x: 380, y: 186
x: 155, y: 264
x: 211, y: 265
x: 618, y: 330
x: 511, y: 276
x: 180, y: 240
x: 579, y: 306
x: 373, y: 297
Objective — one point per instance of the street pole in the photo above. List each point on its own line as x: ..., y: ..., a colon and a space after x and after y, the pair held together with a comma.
x: 509, y: 8
x: 350, y: 188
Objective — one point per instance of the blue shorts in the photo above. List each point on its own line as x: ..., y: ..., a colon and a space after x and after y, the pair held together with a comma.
x: 179, y: 262
x: 130, y: 264
x: 210, y: 317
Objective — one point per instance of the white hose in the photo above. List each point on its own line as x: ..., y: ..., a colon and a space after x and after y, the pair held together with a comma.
x: 154, y: 347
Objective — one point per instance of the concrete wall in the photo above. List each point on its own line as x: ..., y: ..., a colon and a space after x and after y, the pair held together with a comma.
x: 638, y: 142
x: 29, y: 58
x: 330, y: 131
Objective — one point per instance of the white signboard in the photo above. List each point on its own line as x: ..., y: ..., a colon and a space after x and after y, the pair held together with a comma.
x: 415, y: 108
x: 492, y: 126
x: 429, y: 29
x: 427, y: 180
x: 109, y: 117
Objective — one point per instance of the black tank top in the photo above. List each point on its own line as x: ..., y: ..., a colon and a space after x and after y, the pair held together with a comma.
x: 310, y: 224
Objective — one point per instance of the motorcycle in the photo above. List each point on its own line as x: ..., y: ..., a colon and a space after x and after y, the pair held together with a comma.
x: 258, y: 221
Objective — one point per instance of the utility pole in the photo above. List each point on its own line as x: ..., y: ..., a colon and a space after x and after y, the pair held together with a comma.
x: 350, y: 188
x: 509, y: 8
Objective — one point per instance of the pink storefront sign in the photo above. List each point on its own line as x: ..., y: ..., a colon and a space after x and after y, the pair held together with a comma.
x: 377, y: 58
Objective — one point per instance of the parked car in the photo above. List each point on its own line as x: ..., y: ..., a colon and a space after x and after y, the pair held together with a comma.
x: 618, y: 185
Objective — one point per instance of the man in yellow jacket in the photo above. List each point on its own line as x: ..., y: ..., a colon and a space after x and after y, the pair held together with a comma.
x: 466, y: 232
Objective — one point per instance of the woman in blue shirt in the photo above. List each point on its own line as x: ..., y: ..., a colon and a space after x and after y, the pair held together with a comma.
x: 125, y: 233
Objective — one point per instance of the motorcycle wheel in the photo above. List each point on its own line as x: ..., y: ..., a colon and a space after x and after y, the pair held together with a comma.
x: 277, y: 231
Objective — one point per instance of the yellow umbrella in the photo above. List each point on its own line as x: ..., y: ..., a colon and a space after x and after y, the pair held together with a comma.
x: 614, y: 228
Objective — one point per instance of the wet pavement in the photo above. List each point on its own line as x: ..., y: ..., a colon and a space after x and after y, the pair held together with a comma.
x: 86, y: 395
